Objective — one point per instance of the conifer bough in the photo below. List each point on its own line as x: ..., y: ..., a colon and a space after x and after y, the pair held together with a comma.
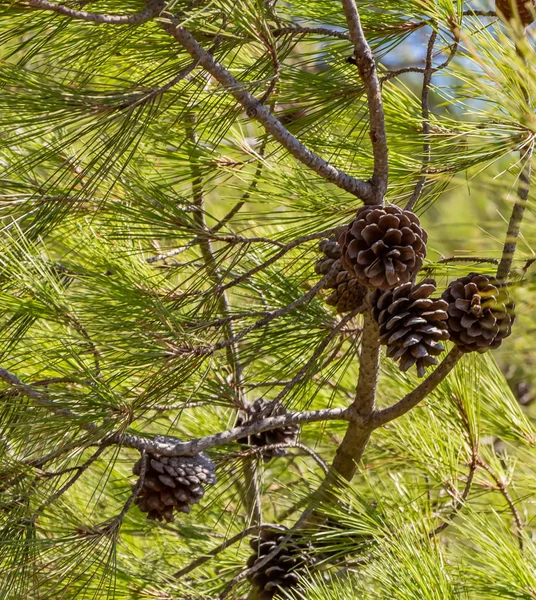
x: 371, y: 267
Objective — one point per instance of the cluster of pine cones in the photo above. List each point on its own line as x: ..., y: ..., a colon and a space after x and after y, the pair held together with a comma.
x: 382, y: 251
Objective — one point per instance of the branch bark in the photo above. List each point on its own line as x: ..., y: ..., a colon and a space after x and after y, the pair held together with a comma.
x: 358, y: 433
x: 170, y: 446
x: 367, y: 70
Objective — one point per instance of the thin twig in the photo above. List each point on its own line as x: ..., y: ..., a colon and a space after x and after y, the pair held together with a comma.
x: 514, y: 226
x: 473, y: 465
x: 43, y: 401
x: 254, y: 529
x: 316, y: 354
x: 298, y: 30
x: 427, y: 80
x: 260, y: 450
x: 384, y: 415
x: 134, y: 19
x: 501, y: 486
x: 81, y: 470
x: 469, y: 259
x: 287, y: 248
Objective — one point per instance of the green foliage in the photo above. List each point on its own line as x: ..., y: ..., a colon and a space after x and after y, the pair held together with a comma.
x: 107, y: 298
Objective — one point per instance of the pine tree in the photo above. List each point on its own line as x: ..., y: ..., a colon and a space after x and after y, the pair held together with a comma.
x: 187, y: 410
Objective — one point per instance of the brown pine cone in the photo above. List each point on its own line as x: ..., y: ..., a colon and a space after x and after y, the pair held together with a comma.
x: 481, y: 313
x: 262, y: 409
x: 282, y: 572
x: 412, y: 324
x: 348, y: 294
x: 384, y: 246
x: 172, y: 483
x: 525, y: 10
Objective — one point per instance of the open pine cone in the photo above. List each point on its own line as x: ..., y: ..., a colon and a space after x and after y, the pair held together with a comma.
x: 280, y: 573
x: 348, y: 294
x: 481, y: 313
x: 412, y: 324
x: 525, y: 10
x: 262, y: 409
x: 172, y: 483
x: 384, y: 246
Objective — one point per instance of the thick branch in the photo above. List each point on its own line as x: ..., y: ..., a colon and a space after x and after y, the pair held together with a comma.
x: 358, y: 433
x: 254, y: 109
x: 384, y: 415
x: 367, y: 70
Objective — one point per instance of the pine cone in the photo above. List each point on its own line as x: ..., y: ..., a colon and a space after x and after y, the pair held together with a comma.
x: 412, y: 324
x: 384, y: 246
x: 282, y: 572
x: 262, y: 409
x: 525, y: 10
x: 481, y: 313
x: 173, y: 483
x: 348, y: 294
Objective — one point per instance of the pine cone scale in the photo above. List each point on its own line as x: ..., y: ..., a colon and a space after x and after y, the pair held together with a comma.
x: 172, y: 484
x: 480, y: 313
x: 384, y: 246
x: 411, y: 324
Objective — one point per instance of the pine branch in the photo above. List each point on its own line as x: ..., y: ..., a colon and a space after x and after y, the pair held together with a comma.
x: 135, y: 19
x: 254, y: 109
x: 514, y: 226
x: 169, y: 446
x: 427, y: 147
x: 367, y: 70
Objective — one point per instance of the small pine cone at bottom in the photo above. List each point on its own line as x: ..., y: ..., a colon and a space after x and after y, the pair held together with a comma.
x: 347, y: 295
x: 172, y: 484
x: 262, y: 409
x: 481, y: 313
x: 412, y: 324
x: 282, y: 572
